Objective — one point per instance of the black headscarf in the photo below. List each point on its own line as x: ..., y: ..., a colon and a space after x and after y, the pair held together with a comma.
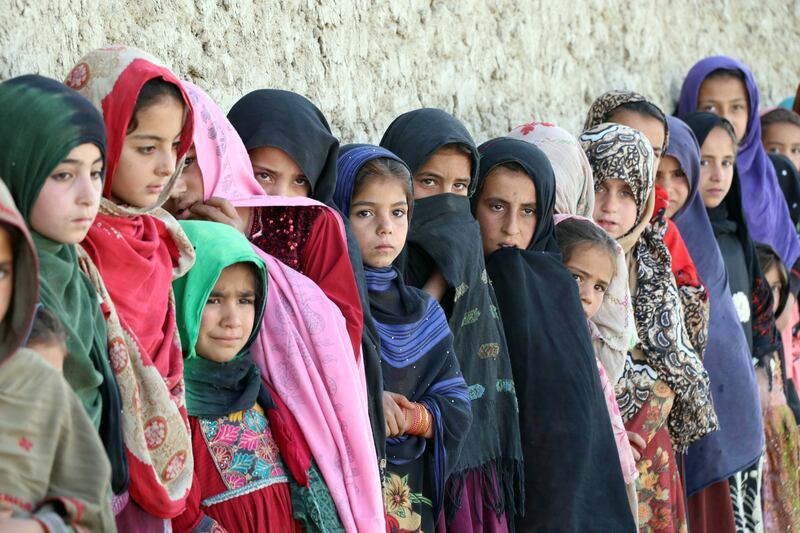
x: 729, y: 218
x: 444, y: 236
x: 415, y: 136
x: 789, y: 180
x: 290, y: 122
x: 573, y: 478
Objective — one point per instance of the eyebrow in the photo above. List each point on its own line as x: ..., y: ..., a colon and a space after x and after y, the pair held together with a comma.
x: 148, y: 137
x: 588, y: 274
x: 372, y: 204
x: 221, y: 294
x: 76, y: 162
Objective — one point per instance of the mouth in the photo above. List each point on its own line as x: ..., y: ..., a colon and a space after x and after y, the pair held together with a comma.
x: 506, y: 245
x: 183, y: 212
x: 83, y: 221
x: 155, y: 189
x: 607, y: 224
x: 227, y: 341
x: 384, y: 247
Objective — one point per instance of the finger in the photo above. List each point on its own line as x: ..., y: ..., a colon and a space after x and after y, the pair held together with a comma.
x: 402, y: 401
x: 637, y: 440
x: 224, y: 205
x: 211, y: 213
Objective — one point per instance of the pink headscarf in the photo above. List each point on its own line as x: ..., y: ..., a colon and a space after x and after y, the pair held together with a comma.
x: 303, y: 350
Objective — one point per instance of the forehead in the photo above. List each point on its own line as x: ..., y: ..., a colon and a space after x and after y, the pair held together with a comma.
x: 616, y: 184
x: 783, y: 129
x: 448, y: 160
x: 669, y: 164
x: 593, y: 259
x: 507, y: 184
x: 718, y: 140
x: 651, y: 127
x: 722, y: 88
x: 273, y: 156
x: 381, y: 190
x: 242, y: 275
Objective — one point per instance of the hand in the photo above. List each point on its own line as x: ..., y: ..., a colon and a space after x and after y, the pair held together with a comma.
x: 436, y: 286
x: 219, y: 210
x: 19, y: 525
x: 638, y: 444
x: 393, y: 405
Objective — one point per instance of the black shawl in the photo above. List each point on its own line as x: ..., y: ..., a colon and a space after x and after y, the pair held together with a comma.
x: 573, y: 478
x: 789, y: 180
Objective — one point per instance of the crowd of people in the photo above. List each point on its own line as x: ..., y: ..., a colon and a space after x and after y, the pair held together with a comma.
x: 215, y: 322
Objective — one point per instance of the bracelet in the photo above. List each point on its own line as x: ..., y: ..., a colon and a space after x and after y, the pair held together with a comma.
x: 421, y: 420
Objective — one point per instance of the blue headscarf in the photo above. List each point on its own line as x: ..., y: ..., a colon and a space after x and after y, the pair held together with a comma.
x: 351, y: 158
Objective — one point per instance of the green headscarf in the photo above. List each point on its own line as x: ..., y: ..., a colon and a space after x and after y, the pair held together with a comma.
x: 217, y: 389
x: 41, y: 121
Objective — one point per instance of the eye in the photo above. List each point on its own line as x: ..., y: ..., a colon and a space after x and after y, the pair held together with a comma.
x: 264, y: 176
x: 738, y: 107
x: 4, y: 271
x: 176, y: 145
x: 301, y: 182
x: 709, y: 108
x: 146, y: 150
x: 214, y: 300
x: 247, y: 301
x: 97, y: 174
x: 427, y: 182
x: 627, y: 193
x: 795, y: 150
x: 399, y: 213
x: 773, y: 150
x: 704, y: 162
x: 62, y: 176
x: 727, y: 163
x: 497, y: 207
x: 529, y: 211
x: 599, y: 188
x: 189, y: 161
x: 600, y: 288
x: 577, y: 278
x: 460, y: 186
x: 364, y: 213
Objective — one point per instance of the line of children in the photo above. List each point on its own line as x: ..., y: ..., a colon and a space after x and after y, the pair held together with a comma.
x: 309, y: 356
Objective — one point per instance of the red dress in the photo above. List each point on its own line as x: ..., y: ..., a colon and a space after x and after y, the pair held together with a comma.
x: 240, y: 482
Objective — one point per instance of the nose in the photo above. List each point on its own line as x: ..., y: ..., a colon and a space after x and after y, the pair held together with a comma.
x: 716, y: 172
x: 585, y: 292
x: 230, y: 315
x: 511, y: 224
x: 384, y: 224
x: 166, y: 164
x: 88, y: 193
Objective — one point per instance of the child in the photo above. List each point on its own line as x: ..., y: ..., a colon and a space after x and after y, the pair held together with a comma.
x: 789, y: 182
x: 241, y: 481
x: 302, y: 328
x: 138, y: 249
x: 739, y: 441
x: 426, y: 404
x: 780, y: 134
x: 781, y: 480
x: 53, y: 166
x: 726, y: 87
x: 444, y: 256
x: 48, y: 338
x: 664, y: 393
x: 594, y: 259
x: 54, y: 475
x: 537, y: 296
x: 720, y: 190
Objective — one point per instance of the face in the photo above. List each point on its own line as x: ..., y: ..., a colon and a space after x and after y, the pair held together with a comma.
x: 726, y: 96
x: 773, y: 277
x: 277, y: 172
x: 53, y: 353
x: 379, y: 217
x: 651, y: 127
x: 671, y: 178
x: 506, y: 210
x: 448, y: 170
x: 593, y: 268
x: 614, y: 207
x: 150, y: 154
x: 6, y: 271
x: 717, y: 157
x: 70, y: 196
x: 229, y: 314
x: 783, y: 138
x: 188, y: 189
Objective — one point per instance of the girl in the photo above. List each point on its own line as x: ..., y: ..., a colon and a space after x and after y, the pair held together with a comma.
x: 789, y: 182
x: 427, y: 408
x: 719, y: 189
x: 54, y: 169
x: 739, y: 441
x: 54, y: 475
x: 726, y: 87
x: 241, y: 481
x: 594, y: 259
x: 663, y: 393
x: 780, y: 134
x: 513, y: 204
x: 444, y: 244
x: 781, y: 488
x: 138, y: 249
x: 293, y: 154
x: 302, y: 330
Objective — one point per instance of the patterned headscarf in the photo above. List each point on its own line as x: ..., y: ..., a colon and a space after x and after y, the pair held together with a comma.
x: 574, y: 183
x: 606, y: 104
x: 620, y: 152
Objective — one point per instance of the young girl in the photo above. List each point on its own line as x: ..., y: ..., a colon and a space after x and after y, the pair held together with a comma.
x: 780, y: 134
x: 426, y: 405
x: 739, y: 441
x: 781, y: 480
x: 594, y: 259
x: 241, y: 481
x: 719, y: 189
x: 54, y: 169
x: 444, y: 243
x: 54, y: 475
x: 536, y: 295
x: 302, y: 329
x: 664, y: 393
x: 726, y: 87
x: 138, y: 249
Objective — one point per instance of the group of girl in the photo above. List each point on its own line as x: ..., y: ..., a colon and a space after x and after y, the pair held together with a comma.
x: 261, y: 330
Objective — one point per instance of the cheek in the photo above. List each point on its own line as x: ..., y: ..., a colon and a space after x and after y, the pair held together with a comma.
x: 628, y: 214
x: 248, y: 318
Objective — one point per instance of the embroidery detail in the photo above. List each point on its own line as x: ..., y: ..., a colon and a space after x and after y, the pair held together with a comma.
x: 470, y: 317
x: 476, y: 391
x: 25, y: 444
x: 244, y: 452
x: 461, y: 290
x: 78, y: 77
x: 155, y: 432
x: 484, y: 276
x: 506, y: 385
x: 489, y: 351
x: 493, y: 310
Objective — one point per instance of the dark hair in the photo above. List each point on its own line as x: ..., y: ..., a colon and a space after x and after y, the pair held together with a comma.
x: 768, y: 258
x: 47, y: 329
x: 778, y: 116
x: 574, y: 233
x: 152, y: 92
x: 384, y: 167
x: 726, y: 73
x: 643, y: 107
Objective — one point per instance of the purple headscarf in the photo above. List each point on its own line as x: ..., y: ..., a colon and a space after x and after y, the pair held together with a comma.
x: 739, y: 441
x: 764, y: 206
